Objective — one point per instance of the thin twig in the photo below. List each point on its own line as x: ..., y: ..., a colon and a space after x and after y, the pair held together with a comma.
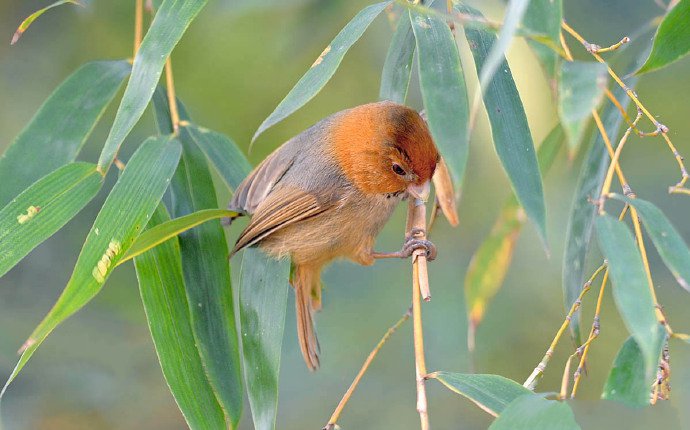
x: 172, y: 100
x: 332, y: 422
x: 138, y: 25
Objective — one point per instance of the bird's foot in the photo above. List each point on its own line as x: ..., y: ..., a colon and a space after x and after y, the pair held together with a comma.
x: 412, y: 243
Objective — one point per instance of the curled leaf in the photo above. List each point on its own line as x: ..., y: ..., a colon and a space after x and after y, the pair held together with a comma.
x: 31, y: 18
x: 444, y: 193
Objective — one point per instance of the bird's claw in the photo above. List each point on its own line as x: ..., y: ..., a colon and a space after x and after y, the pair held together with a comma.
x: 413, y: 243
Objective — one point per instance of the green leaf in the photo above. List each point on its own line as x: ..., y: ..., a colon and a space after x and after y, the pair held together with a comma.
x: 168, y: 26
x: 125, y: 213
x: 323, y: 68
x: 164, y: 231
x: 491, y: 261
x: 628, y: 381
x: 263, y: 301
x: 162, y: 289
x: 395, y: 76
x: 534, y: 412
x: 672, y: 39
x: 31, y: 18
x: 630, y: 288
x: 443, y: 91
x: 43, y: 209
x: 227, y: 158
x: 492, y: 393
x: 666, y: 238
x: 509, y: 127
x: 583, y: 212
x: 206, y: 271
x: 580, y: 89
x: 55, y: 135
x: 544, y: 17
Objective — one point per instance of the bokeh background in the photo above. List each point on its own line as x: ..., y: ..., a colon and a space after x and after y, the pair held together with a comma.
x: 236, y: 62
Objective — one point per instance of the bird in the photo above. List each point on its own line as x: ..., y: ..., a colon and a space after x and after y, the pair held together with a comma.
x: 326, y: 194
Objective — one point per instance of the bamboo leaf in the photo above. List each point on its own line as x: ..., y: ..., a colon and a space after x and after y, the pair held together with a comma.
x: 168, y: 26
x: 226, y: 157
x: 263, y: 302
x: 164, y: 231
x: 57, y: 132
x: 206, y: 271
x: 583, y: 212
x: 628, y: 381
x: 31, y: 18
x: 630, y: 289
x: 580, y: 89
x: 666, y: 238
x: 544, y: 17
x: 443, y: 91
x: 162, y: 289
x: 672, y: 39
x: 323, y: 68
x: 43, y: 208
x: 509, y: 127
x: 395, y: 76
x: 125, y: 213
x: 534, y: 412
x: 492, y: 259
x: 492, y: 393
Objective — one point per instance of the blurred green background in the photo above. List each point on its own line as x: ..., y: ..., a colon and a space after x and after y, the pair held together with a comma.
x: 236, y: 62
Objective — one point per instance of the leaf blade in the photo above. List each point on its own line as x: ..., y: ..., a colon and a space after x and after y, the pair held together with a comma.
x: 323, y: 68
x: 534, y: 412
x: 671, y: 39
x: 397, y: 69
x: 61, y: 126
x: 31, y: 18
x: 544, y: 17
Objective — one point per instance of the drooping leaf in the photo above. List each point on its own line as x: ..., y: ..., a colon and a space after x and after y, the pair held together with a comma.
x: 226, y: 157
x: 666, y: 238
x: 445, y: 195
x: 56, y: 133
x: 628, y: 381
x: 164, y: 231
x: 206, y: 271
x: 544, y: 17
x: 511, y: 134
x: 443, y: 90
x: 583, y: 212
x: 161, y: 285
x: 491, y: 261
x: 672, y: 39
x: 263, y: 301
x: 534, y: 412
x: 168, y: 26
x: 43, y: 208
x: 580, y: 89
x: 323, y: 68
x: 630, y: 289
x: 125, y: 213
x: 492, y: 393
x: 31, y: 18
x: 395, y: 76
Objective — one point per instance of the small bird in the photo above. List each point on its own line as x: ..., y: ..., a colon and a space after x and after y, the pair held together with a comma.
x: 328, y: 192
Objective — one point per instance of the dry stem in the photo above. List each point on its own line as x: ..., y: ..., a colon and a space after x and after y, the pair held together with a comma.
x: 172, y: 100
x: 138, y: 25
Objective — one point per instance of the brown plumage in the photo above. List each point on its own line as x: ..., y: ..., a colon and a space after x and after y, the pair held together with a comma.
x: 328, y: 192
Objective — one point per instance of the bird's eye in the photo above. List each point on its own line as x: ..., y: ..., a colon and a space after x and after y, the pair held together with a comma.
x: 398, y: 170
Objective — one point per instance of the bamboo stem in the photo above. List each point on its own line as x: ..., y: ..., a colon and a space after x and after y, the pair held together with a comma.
x: 172, y: 100
x: 138, y: 25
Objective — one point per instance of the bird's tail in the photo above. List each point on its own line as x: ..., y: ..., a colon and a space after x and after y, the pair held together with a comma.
x: 304, y: 281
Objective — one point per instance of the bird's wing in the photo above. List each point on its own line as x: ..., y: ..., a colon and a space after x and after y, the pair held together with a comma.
x: 281, y: 208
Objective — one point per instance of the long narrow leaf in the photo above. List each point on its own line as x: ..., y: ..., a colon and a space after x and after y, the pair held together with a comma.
x: 168, y: 26
x: 511, y: 134
x: 545, y: 16
x: 59, y: 129
x: 164, y: 231
x: 206, y: 272
x: 43, y: 209
x: 31, y: 18
x: 630, y: 288
x: 583, y: 212
x: 161, y: 285
x: 666, y: 238
x: 672, y: 38
x: 397, y: 69
x: 125, y: 213
x: 443, y: 91
x: 323, y: 68
x: 226, y: 157
x: 263, y: 302
x: 534, y: 412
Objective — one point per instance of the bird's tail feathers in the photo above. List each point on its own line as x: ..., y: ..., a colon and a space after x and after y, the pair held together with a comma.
x: 305, y: 280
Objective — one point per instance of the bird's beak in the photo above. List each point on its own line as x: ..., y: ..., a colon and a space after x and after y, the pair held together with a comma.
x: 420, y: 192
